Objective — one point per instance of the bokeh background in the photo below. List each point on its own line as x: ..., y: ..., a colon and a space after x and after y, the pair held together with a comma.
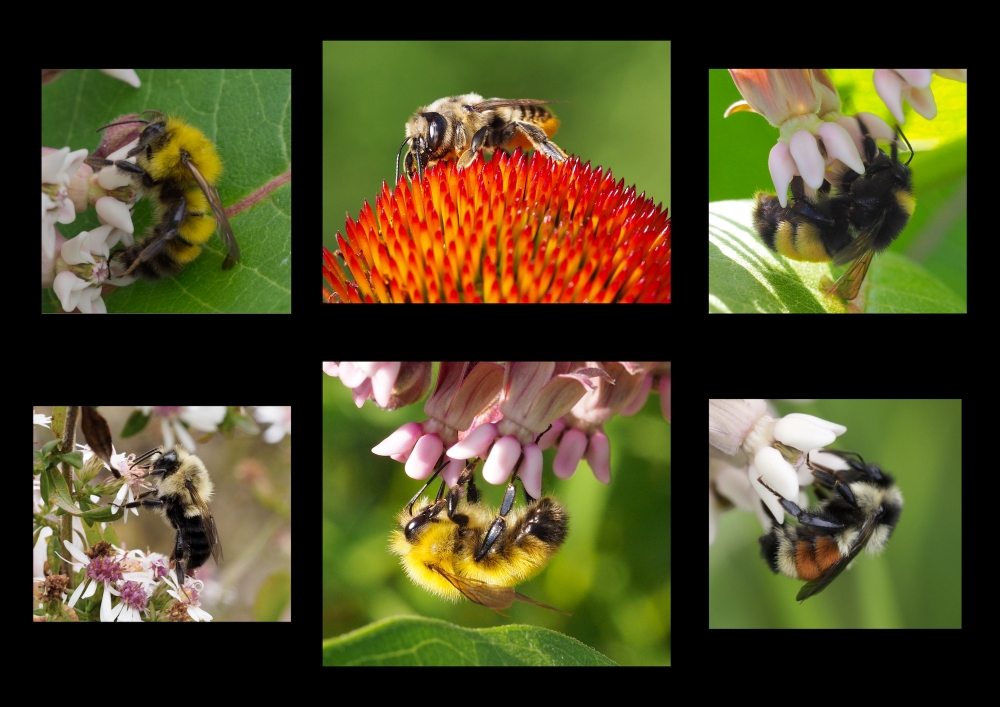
x: 915, y: 582
x: 612, y: 574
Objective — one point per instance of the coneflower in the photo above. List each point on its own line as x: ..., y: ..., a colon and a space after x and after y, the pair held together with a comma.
x: 510, y: 230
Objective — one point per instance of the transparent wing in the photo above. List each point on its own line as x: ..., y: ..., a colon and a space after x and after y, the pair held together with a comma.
x: 849, y: 283
x: 494, y: 103
x: 206, y: 513
x: 488, y: 595
x: 860, y: 245
x: 225, y: 230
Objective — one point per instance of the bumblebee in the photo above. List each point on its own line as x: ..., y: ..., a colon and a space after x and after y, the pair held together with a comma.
x: 181, y: 498
x: 852, y: 217
x: 860, y: 514
x: 177, y: 166
x: 457, y: 547
x: 460, y: 126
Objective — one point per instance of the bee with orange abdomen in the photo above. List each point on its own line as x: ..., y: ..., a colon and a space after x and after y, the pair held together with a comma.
x: 860, y: 513
x: 458, y: 127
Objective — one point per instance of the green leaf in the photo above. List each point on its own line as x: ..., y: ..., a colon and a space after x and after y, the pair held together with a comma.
x: 745, y: 276
x: 419, y: 641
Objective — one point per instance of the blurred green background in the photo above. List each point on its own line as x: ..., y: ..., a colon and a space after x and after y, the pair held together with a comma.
x: 936, y: 236
x: 917, y: 580
x: 612, y: 574
x: 247, y: 114
x: 614, y: 106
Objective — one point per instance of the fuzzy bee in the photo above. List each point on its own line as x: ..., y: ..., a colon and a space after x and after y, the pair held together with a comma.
x: 852, y: 217
x: 181, y: 497
x: 458, y: 127
x: 862, y: 510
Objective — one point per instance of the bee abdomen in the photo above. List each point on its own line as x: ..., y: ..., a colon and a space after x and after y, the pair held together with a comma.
x: 791, y: 233
x: 198, y: 544
x: 814, y: 559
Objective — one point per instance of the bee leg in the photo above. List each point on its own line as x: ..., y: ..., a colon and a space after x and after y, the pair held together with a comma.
x: 540, y: 140
x: 479, y: 138
x: 437, y: 470
x: 831, y: 480
x: 149, y: 502
x: 800, y: 515
x: 124, y: 166
x: 179, y: 558
x: 97, y: 162
x: 500, y: 524
x: 466, y: 479
x: 179, y: 562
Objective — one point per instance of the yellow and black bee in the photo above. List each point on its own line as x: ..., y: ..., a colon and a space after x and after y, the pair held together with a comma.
x: 178, y: 167
x: 852, y: 217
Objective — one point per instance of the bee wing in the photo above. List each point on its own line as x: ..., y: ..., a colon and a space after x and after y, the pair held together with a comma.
x: 521, y: 597
x: 849, y: 283
x: 494, y: 103
x: 860, y: 251
x: 225, y: 230
x: 819, y: 584
x: 206, y: 513
x: 860, y: 245
x: 488, y: 595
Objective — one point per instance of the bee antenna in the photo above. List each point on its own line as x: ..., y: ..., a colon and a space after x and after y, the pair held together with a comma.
x: 908, y: 146
x: 442, y: 463
x: 124, y: 122
x: 397, y: 159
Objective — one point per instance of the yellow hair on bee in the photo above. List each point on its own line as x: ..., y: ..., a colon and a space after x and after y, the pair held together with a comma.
x: 167, y: 163
x: 533, y: 535
x: 434, y: 548
x: 197, y: 227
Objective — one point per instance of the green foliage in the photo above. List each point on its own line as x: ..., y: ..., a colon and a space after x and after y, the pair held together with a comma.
x: 417, y: 641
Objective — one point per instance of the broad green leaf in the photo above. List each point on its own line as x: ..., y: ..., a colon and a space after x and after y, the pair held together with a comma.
x: 745, y: 276
x: 419, y: 641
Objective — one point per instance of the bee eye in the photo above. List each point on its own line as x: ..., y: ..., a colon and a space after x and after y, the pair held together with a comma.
x: 413, y: 526
x: 435, y: 130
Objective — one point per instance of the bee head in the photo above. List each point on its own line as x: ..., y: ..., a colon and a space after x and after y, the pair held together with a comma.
x: 425, y: 132
x: 166, y: 464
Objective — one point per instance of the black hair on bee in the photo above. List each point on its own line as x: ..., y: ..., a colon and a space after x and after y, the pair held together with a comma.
x: 852, y: 217
x: 862, y: 510
x: 183, y: 491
